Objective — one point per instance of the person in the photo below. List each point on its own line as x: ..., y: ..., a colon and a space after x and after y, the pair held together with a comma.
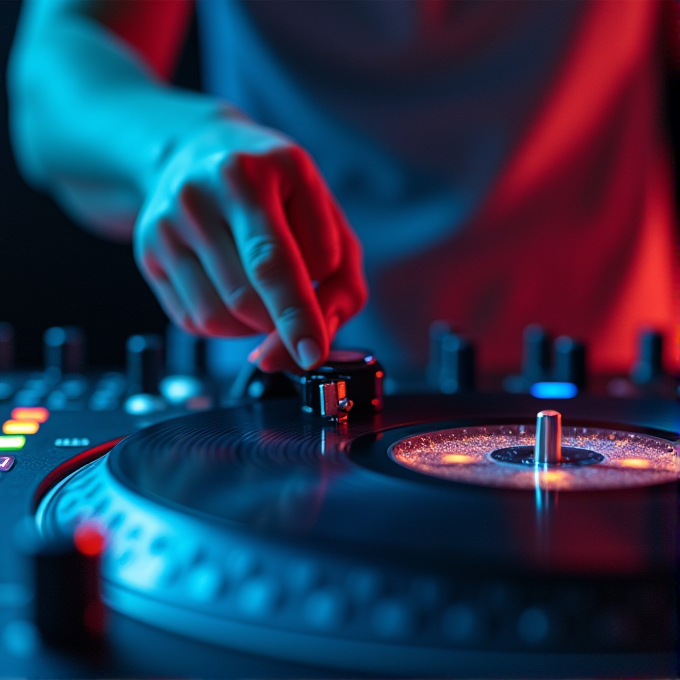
x: 494, y: 163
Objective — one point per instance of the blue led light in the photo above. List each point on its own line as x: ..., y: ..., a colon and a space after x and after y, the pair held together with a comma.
x: 554, y: 390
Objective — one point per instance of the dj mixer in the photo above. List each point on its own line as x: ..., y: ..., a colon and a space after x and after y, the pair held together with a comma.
x: 157, y: 521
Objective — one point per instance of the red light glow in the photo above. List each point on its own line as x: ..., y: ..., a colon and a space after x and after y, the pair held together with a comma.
x: 89, y: 539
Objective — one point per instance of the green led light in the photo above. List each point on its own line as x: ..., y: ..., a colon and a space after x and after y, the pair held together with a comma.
x: 13, y: 443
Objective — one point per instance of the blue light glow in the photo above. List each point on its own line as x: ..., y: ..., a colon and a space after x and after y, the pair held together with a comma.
x: 554, y: 390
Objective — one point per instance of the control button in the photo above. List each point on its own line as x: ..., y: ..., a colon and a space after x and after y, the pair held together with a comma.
x: 20, y: 427
x: 463, y: 623
x: 73, y: 387
x: 64, y: 350
x: 6, y: 463
x: 533, y: 625
x: 536, y: 361
x: 536, y: 357
x: 438, y: 331
x: 37, y: 413
x: 143, y: 404
x: 6, y: 347
x: 186, y: 353
x: 457, y: 369
x: 27, y: 398
x: 103, y: 401
x: 648, y: 368
x: 57, y: 401
x: 72, y: 442
x: 393, y: 618
x: 325, y: 608
x: 178, y: 389
x: 68, y: 609
x: 12, y: 442
x: 38, y: 386
x: 144, y: 364
x: 6, y: 390
x: 570, y: 362
x: 113, y: 383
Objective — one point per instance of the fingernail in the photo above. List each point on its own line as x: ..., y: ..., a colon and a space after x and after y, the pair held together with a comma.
x: 255, y: 355
x: 308, y: 352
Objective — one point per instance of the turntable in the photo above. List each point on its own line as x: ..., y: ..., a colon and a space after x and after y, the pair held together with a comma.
x: 330, y: 529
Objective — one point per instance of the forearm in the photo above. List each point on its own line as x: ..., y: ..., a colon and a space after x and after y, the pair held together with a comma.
x: 90, y: 122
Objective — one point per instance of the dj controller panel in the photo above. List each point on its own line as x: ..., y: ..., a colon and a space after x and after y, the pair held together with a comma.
x: 157, y: 521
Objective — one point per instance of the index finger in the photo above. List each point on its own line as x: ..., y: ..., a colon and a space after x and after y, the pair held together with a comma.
x: 272, y: 260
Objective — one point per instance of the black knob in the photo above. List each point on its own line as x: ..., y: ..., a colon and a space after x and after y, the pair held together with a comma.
x: 438, y: 331
x: 457, y: 371
x: 536, y: 357
x: 6, y: 347
x: 186, y: 353
x: 144, y: 363
x: 570, y: 362
x: 648, y: 367
x: 68, y: 609
x: 64, y: 350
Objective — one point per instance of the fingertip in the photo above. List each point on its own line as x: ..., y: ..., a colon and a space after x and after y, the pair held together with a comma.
x: 308, y: 353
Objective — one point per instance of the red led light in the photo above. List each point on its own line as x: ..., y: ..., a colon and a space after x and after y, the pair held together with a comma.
x: 89, y: 539
x: 35, y: 413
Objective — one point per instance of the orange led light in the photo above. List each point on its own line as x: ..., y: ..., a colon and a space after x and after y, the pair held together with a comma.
x: 638, y: 463
x: 551, y: 475
x: 20, y: 427
x: 457, y: 458
x: 35, y: 413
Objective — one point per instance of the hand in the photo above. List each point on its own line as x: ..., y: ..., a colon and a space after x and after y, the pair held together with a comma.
x: 240, y: 235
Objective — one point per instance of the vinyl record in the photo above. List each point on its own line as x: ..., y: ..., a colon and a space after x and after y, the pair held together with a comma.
x: 362, y: 546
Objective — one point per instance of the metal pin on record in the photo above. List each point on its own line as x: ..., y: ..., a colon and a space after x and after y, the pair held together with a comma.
x: 548, y: 449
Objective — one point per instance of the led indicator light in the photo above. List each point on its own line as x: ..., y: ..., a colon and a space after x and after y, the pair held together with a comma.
x: 36, y: 413
x: 457, y: 459
x: 20, y: 427
x: 638, y: 463
x: 13, y: 443
x: 89, y: 539
x: 554, y: 390
x: 6, y: 463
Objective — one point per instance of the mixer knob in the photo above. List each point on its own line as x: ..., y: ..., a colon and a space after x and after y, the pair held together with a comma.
x: 457, y: 369
x: 438, y: 331
x: 536, y: 353
x: 648, y: 368
x: 349, y: 381
x: 6, y: 347
x: 144, y: 363
x: 64, y: 348
x: 186, y: 353
x: 570, y: 362
x: 536, y: 360
x: 68, y: 609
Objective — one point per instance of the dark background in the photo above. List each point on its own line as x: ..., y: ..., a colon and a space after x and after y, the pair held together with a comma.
x: 54, y: 273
